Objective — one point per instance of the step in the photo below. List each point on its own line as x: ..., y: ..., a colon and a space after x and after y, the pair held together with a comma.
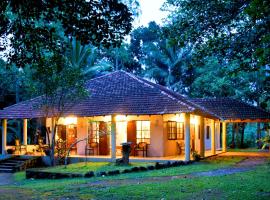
x: 15, y: 161
x: 9, y: 166
x: 10, y: 163
x: 6, y: 170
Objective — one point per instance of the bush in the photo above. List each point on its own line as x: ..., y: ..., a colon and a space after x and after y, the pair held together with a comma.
x: 89, y: 174
x: 196, y: 156
x: 150, y: 167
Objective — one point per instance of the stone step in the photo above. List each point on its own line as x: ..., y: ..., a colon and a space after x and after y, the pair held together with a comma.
x: 7, y: 170
x: 14, y: 164
x: 15, y: 161
x: 10, y: 163
x: 9, y: 166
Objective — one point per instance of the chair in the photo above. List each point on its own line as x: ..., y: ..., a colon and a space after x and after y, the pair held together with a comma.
x: 91, y: 148
x: 141, y: 146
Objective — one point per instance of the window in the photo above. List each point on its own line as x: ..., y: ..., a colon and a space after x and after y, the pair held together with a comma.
x: 93, y: 132
x: 175, y: 130
x: 143, y: 131
x: 208, y: 132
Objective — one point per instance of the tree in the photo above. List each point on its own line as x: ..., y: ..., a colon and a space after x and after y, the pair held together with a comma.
x: 40, y: 27
x: 41, y: 33
x: 228, y: 30
x: 165, y: 61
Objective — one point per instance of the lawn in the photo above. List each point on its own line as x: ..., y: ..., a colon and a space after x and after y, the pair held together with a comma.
x: 252, y: 184
x: 246, y: 150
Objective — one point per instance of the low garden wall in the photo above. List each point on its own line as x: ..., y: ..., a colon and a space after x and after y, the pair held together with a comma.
x: 43, y: 174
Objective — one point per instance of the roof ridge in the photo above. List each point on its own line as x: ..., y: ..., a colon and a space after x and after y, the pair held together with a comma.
x: 156, y: 86
x: 102, y: 76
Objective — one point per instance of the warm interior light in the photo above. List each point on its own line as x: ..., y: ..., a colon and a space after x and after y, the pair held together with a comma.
x: 107, y: 118
x: 179, y: 118
x: 193, y: 120
x: 68, y: 120
x: 121, y: 118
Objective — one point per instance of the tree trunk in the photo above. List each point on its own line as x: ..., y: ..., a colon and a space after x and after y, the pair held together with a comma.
x: 234, y: 129
x: 242, y: 131
x: 53, y: 142
x: 258, y: 137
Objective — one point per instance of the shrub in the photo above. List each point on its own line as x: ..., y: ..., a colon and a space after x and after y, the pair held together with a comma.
x: 196, y: 156
x: 89, y: 174
x: 150, y: 167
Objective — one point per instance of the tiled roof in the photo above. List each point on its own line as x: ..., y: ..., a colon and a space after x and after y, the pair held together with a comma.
x: 123, y: 93
x: 231, y: 109
x: 116, y: 93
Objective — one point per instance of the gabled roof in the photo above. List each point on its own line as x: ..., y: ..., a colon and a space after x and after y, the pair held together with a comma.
x: 232, y: 110
x: 115, y: 93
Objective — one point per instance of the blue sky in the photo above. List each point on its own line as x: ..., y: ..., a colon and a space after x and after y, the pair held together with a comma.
x: 151, y: 12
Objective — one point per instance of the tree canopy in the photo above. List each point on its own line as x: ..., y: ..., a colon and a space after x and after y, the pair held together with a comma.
x: 38, y: 27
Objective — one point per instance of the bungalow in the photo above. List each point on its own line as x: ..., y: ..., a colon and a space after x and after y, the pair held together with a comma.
x: 158, y: 122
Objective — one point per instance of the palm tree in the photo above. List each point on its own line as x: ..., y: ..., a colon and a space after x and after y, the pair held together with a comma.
x: 167, y: 64
x: 86, y: 57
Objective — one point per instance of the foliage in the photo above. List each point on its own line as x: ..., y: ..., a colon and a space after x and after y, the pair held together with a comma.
x: 40, y: 27
x: 265, y: 141
x: 230, y: 31
x: 165, y: 62
x: 61, y: 150
x: 196, y: 156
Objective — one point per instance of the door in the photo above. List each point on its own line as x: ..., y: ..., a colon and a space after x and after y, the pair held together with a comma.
x: 72, y: 138
x: 103, y: 139
x: 61, y: 132
x: 131, y: 135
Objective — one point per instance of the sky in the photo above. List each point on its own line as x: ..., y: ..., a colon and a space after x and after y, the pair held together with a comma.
x: 151, y: 12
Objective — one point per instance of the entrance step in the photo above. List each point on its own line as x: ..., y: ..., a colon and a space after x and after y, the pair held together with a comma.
x: 15, y: 164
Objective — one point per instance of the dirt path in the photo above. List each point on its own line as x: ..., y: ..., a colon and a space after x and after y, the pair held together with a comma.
x: 245, y: 165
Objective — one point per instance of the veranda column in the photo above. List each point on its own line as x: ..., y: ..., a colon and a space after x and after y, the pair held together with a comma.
x: 224, y: 137
x: 202, y: 137
x: 4, y: 136
x: 187, y: 137
x: 213, y: 138
x: 113, y: 137
x: 25, y: 131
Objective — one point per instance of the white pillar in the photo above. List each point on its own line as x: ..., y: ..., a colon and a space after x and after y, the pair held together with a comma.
x: 218, y: 145
x: 202, y: 137
x: 4, y: 136
x: 113, y: 138
x: 25, y: 131
x: 224, y: 137
x: 213, y: 138
x: 187, y: 137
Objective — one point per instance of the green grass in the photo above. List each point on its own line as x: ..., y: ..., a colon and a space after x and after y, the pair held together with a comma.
x: 245, y: 185
x: 245, y: 150
x: 92, y: 166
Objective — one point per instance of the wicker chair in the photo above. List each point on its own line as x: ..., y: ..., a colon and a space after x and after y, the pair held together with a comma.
x: 92, y: 148
x: 141, y: 147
